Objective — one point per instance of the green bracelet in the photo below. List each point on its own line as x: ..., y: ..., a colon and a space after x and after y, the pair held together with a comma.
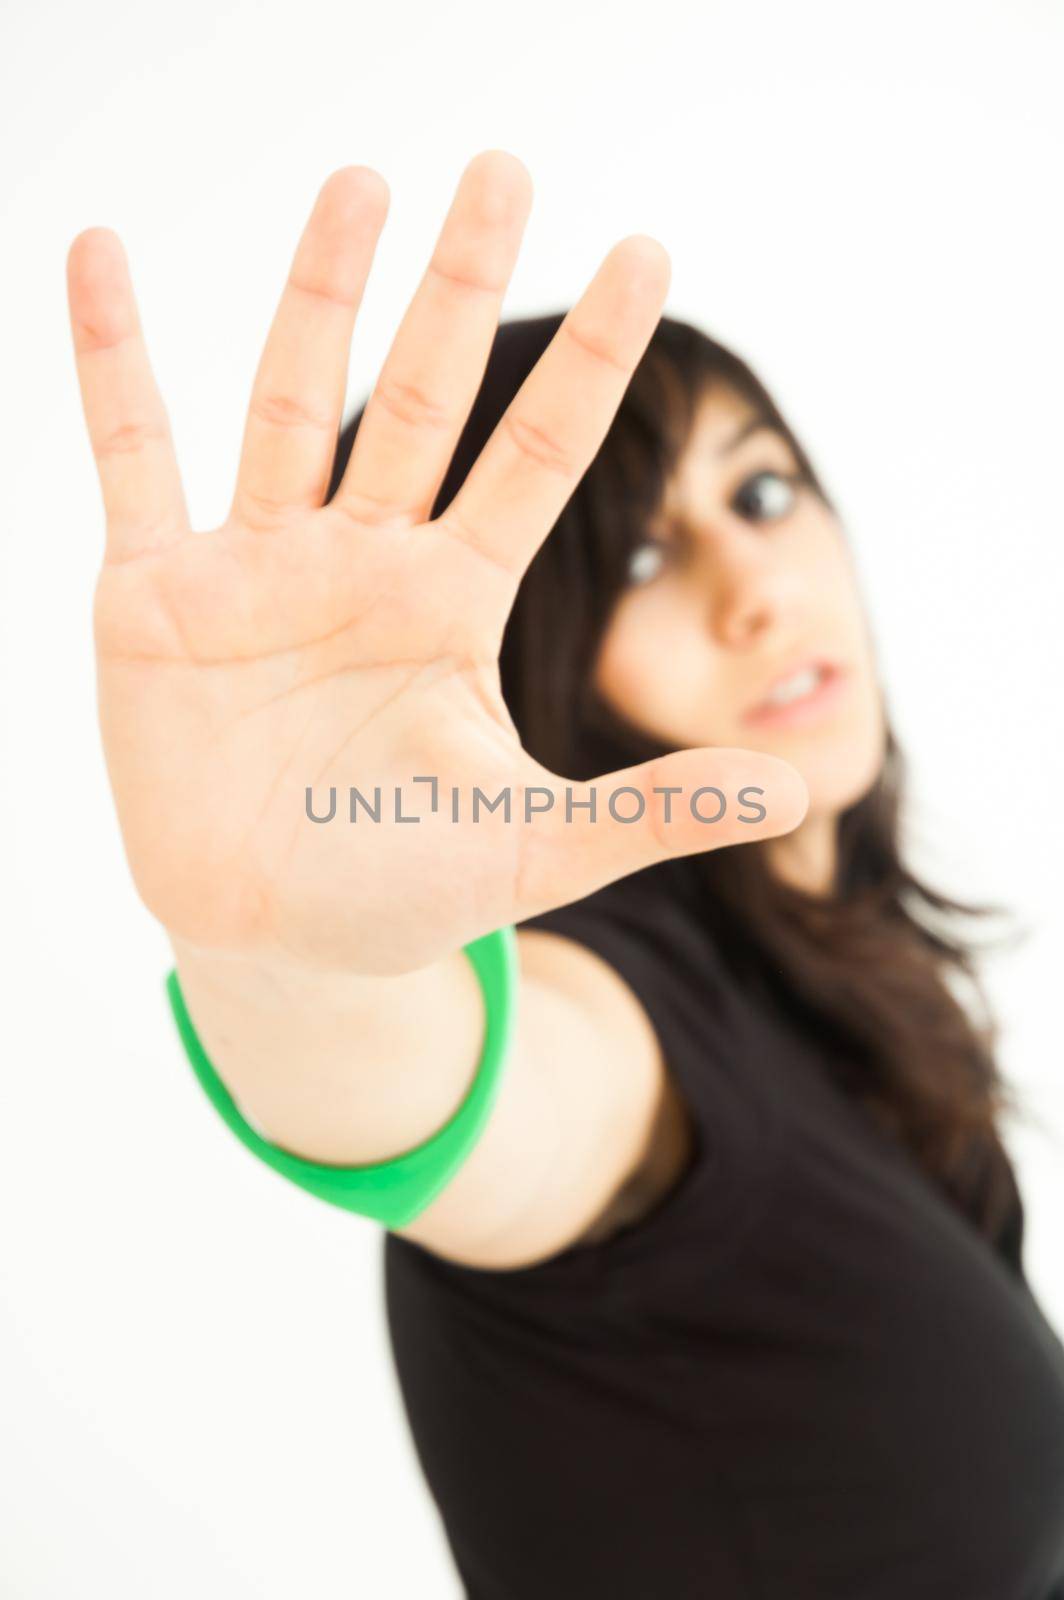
x: 395, y: 1191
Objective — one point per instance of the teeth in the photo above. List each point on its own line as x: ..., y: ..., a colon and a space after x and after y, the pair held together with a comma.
x: 794, y: 687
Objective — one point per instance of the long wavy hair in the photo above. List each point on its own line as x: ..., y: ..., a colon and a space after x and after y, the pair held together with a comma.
x: 871, y: 969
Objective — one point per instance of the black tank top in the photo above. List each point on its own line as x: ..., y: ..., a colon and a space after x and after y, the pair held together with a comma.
x: 803, y: 1376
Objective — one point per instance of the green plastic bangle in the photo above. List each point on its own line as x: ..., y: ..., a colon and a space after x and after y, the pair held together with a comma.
x: 397, y: 1190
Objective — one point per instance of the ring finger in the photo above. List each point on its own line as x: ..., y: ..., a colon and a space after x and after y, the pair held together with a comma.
x: 298, y: 394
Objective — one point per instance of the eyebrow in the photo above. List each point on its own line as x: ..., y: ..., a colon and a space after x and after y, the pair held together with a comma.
x: 753, y: 424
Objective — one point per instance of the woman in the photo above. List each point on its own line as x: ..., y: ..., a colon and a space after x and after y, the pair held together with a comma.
x: 727, y: 1299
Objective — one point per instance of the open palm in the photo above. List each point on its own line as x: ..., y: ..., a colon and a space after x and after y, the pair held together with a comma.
x: 355, y: 644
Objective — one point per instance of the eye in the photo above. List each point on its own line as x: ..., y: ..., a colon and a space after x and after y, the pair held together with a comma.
x: 646, y: 560
x: 765, y: 496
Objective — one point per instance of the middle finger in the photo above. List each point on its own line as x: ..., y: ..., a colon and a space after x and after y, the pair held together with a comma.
x: 412, y: 420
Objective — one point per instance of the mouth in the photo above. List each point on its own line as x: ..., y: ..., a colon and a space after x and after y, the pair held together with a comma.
x: 802, y: 694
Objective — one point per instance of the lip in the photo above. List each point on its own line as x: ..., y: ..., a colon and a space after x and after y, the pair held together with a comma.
x: 811, y: 707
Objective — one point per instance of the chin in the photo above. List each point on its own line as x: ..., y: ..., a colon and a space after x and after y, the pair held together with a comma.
x: 841, y: 772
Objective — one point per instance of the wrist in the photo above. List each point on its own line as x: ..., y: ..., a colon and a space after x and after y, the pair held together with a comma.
x: 270, y: 971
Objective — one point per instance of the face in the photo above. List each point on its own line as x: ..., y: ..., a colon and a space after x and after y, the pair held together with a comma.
x: 741, y: 624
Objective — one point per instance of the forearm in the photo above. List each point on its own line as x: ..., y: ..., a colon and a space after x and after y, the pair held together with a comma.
x: 344, y: 1069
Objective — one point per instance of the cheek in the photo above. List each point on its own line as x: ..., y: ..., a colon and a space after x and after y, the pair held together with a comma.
x: 622, y: 663
x: 829, y: 585
x: 850, y: 608
x: 828, y: 553
x: 647, y: 660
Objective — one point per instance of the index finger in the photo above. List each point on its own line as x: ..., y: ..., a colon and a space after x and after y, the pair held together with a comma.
x: 553, y: 427
x: 127, y: 423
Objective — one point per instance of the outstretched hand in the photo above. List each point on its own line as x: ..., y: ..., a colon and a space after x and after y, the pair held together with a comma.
x: 303, y: 645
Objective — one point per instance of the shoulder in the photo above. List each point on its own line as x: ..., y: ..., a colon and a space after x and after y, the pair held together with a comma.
x: 586, y: 1118
x: 640, y: 942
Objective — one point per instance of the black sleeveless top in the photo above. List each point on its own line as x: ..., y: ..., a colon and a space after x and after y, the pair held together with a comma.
x: 804, y: 1373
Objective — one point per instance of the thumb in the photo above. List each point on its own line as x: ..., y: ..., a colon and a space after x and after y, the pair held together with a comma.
x: 589, y: 834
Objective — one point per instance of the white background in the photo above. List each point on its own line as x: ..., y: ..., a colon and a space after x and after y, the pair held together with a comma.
x: 864, y: 199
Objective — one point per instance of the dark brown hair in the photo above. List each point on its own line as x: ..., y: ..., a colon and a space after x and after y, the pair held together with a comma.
x: 871, y: 968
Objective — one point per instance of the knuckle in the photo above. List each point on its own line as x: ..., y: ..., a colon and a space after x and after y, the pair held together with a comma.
x: 411, y: 404
x: 463, y: 281
x: 263, y: 511
x: 453, y: 525
x: 366, y: 510
x: 592, y: 347
x: 129, y: 437
x: 287, y: 411
x: 539, y: 446
x: 529, y: 884
x: 324, y: 293
x: 132, y: 540
x: 658, y: 828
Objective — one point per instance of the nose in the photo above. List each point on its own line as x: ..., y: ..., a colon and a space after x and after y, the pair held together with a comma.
x: 751, y: 594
